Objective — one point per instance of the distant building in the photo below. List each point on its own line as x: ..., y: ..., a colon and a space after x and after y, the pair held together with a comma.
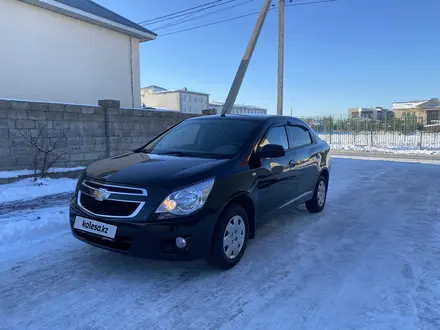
x: 181, y: 100
x: 377, y: 113
x: 429, y: 110
x: 238, y: 108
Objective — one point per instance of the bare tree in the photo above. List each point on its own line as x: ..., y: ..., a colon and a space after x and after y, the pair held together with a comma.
x: 46, y: 151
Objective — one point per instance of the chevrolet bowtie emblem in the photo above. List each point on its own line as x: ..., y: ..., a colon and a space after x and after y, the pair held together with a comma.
x: 101, y: 194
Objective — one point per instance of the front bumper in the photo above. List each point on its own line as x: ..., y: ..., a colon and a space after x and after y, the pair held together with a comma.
x: 153, y: 239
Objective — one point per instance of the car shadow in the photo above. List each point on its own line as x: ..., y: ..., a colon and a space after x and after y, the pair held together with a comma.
x: 97, y: 262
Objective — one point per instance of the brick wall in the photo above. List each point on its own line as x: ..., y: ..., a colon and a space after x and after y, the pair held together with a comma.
x: 93, y: 132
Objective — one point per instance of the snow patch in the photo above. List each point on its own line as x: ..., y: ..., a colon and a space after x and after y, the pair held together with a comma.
x: 16, y: 174
x: 33, y: 224
x: 396, y: 150
x: 29, y: 189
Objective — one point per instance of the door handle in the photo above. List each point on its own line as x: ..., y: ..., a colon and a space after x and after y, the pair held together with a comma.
x: 292, y: 163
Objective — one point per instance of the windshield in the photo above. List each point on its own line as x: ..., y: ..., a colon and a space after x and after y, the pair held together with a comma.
x: 216, y: 138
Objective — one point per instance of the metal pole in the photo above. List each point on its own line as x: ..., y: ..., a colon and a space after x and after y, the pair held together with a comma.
x: 236, y: 84
x: 280, y: 56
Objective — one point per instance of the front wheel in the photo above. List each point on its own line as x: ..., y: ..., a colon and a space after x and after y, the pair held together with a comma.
x: 317, y: 203
x: 230, y: 238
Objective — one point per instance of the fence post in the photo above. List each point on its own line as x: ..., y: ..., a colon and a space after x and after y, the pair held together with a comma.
x: 421, y: 138
x: 371, y: 128
x: 331, y: 128
x: 109, y: 105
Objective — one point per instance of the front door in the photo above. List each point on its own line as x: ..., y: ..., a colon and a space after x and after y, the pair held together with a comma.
x: 274, y: 181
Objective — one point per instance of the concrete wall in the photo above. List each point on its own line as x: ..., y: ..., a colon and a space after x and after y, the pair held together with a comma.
x: 47, y: 56
x: 93, y: 132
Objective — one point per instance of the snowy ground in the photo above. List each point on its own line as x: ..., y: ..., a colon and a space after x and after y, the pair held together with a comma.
x: 28, y: 189
x: 17, y: 173
x: 385, y: 142
x: 391, y: 150
x: 370, y: 260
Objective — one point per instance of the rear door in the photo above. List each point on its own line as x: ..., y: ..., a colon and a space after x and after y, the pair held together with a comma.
x: 274, y: 188
x: 304, y: 160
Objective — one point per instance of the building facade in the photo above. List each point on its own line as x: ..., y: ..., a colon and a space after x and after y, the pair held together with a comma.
x: 429, y: 110
x: 70, y: 51
x: 377, y: 113
x: 238, y: 109
x: 181, y: 100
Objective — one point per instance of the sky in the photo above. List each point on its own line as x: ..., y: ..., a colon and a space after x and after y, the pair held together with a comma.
x: 338, y: 55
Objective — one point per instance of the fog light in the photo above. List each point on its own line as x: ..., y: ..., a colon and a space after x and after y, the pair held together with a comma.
x: 180, y: 242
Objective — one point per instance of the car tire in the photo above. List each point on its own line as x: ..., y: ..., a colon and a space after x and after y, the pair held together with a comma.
x: 317, y: 203
x: 234, y: 223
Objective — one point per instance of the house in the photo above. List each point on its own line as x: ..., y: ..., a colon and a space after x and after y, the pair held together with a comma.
x: 181, y: 100
x: 377, y: 113
x: 429, y: 110
x: 238, y: 108
x: 70, y: 51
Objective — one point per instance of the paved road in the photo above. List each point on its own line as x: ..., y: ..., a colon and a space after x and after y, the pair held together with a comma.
x: 369, y: 261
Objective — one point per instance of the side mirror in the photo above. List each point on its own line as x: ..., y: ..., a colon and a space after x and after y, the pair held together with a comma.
x: 271, y: 151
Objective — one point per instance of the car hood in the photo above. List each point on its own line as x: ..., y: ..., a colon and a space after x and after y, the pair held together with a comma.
x: 154, y: 170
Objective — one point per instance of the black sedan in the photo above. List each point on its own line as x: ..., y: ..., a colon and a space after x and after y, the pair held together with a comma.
x: 200, y: 188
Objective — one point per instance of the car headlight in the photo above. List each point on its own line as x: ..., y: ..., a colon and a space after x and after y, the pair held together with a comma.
x: 187, y: 200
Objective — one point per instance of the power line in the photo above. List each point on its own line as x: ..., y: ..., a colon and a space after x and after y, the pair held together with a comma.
x: 308, y: 3
x: 208, y: 24
x: 186, y: 12
x: 178, y: 12
x: 184, y: 20
x: 242, y: 16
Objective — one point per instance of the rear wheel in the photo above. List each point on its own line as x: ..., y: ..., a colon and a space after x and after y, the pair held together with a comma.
x: 317, y: 203
x: 230, y: 237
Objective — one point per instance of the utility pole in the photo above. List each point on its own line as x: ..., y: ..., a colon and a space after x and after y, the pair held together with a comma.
x: 236, y: 84
x: 280, y: 56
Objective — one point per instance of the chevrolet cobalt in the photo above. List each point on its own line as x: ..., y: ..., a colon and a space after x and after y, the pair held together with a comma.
x: 200, y: 188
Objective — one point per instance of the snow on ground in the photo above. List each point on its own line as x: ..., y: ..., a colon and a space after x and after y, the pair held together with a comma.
x: 389, y: 158
x: 370, y: 260
x: 402, y: 151
x: 385, y: 142
x: 28, y: 188
x: 25, y: 226
x: 16, y: 174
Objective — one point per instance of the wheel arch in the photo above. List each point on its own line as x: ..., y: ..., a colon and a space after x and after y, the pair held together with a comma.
x: 325, y: 172
x: 246, y: 202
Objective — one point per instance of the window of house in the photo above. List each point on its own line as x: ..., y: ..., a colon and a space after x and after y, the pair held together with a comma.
x: 276, y: 135
x: 299, y: 136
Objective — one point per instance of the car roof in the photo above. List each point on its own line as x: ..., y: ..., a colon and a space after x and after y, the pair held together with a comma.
x: 251, y: 117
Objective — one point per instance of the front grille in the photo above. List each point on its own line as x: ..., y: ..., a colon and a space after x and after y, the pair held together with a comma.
x: 107, y: 200
x: 115, y: 189
x: 108, y: 207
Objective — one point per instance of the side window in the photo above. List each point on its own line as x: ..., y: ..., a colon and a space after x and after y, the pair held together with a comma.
x: 276, y: 135
x: 299, y: 136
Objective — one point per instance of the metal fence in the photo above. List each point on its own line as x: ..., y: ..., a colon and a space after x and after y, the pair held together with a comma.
x: 405, y: 133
